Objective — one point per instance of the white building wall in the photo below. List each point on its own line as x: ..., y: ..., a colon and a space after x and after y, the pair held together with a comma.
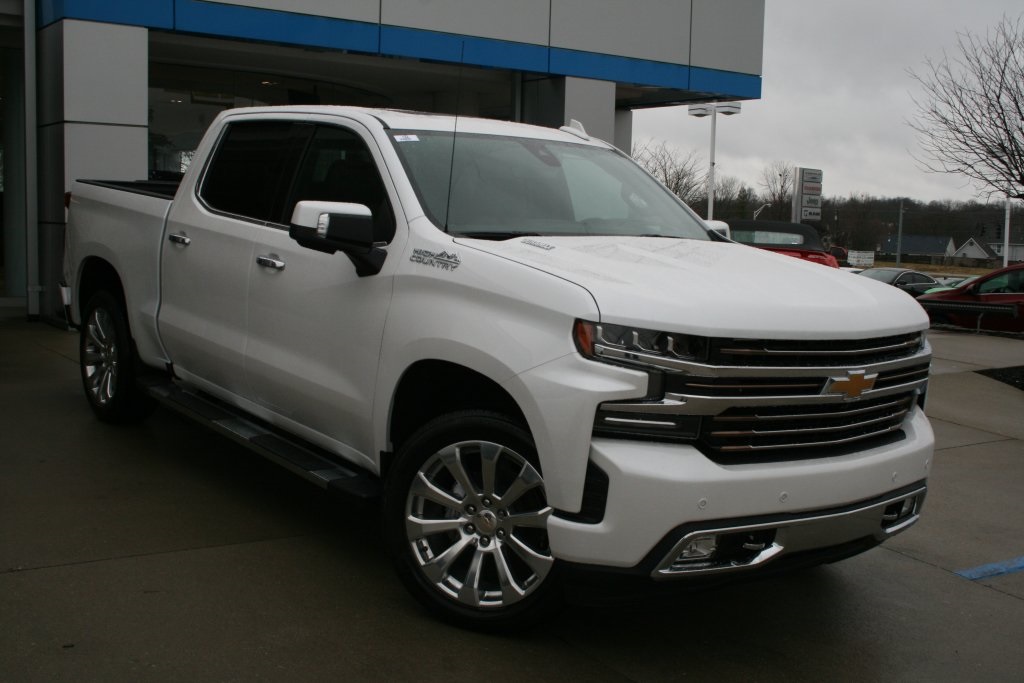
x: 523, y: 21
x: 92, y: 121
x: 642, y: 29
x: 728, y: 36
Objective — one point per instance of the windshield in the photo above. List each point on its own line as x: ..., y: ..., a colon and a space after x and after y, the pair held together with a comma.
x: 502, y: 187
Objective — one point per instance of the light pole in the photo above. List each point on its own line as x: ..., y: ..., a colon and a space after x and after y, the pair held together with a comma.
x: 712, y: 109
x: 760, y: 209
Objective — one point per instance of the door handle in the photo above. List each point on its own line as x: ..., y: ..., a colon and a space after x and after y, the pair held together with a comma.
x: 270, y: 261
x: 180, y: 238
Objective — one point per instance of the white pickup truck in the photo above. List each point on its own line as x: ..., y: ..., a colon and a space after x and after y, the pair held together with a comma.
x: 538, y: 358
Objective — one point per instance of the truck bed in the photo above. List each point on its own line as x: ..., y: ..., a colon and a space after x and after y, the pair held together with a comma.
x: 164, y: 189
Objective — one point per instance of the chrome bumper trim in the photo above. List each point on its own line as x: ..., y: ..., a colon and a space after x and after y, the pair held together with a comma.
x: 792, y: 536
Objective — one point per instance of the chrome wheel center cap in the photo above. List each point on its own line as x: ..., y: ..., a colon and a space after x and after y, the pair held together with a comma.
x: 486, y: 522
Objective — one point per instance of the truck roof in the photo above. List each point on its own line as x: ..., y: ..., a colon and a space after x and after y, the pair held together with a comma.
x: 397, y: 119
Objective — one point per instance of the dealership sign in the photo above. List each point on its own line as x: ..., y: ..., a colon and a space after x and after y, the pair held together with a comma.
x: 807, y: 195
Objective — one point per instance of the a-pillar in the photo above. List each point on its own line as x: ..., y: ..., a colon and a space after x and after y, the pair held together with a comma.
x: 93, y: 123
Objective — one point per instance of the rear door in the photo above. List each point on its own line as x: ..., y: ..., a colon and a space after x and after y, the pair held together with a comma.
x: 209, y: 254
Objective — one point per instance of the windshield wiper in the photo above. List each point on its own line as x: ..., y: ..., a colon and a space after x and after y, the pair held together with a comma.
x: 494, y: 235
x: 658, y: 234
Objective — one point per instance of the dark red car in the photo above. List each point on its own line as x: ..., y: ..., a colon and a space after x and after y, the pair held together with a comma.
x: 1004, y: 288
x: 791, y: 239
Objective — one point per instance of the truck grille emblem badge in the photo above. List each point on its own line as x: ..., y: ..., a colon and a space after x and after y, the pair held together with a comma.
x: 853, y: 385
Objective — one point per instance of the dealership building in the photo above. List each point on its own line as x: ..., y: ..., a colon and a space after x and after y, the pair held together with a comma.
x: 124, y: 89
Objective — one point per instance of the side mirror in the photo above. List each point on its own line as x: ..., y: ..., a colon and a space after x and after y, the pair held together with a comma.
x: 330, y: 227
x: 721, y: 227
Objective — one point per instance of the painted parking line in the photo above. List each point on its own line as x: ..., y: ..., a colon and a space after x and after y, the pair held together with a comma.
x: 987, y: 571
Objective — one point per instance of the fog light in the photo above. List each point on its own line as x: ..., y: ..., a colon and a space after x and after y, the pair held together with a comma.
x: 900, y: 510
x: 698, y: 548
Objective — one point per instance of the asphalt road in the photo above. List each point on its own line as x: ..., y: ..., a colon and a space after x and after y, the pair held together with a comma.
x: 163, y: 553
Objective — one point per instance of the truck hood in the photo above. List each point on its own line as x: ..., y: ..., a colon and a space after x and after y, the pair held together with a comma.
x: 715, y: 288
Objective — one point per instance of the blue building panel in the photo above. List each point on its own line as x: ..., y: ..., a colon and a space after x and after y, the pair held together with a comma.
x: 619, y: 69
x: 251, y: 23
x: 729, y: 83
x: 447, y: 47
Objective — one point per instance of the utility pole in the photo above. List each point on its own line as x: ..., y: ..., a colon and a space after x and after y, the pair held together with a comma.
x: 1006, y: 235
x: 899, y: 236
x: 711, y: 170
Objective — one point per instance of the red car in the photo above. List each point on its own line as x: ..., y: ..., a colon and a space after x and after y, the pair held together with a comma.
x: 1003, y: 287
x: 791, y: 239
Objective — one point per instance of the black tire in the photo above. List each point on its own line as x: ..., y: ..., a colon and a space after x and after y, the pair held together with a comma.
x: 108, y: 363
x: 479, y: 558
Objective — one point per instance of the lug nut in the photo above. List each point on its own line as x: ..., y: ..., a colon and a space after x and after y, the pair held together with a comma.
x: 471, y: 509
x: 486, y: 502
x: 485, y: 541
x: 503, y: 513
x: 501, y: 533
x: 470, y: 529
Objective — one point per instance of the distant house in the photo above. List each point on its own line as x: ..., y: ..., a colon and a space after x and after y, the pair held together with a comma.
x: 1016, y: 251
x: 920, y: 245
x: 975, y: 248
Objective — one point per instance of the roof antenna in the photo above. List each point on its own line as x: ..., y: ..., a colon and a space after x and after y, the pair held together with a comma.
x: 575, y: 128
x: 455, y: 133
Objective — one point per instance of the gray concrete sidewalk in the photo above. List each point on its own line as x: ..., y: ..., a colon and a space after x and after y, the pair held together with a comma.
x: 163, y: 553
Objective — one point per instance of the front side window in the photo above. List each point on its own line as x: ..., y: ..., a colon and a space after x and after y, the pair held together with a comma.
x: 496, y: 187
x: 252, y: 168
x: 1007, y: 283
x: 338, y: 167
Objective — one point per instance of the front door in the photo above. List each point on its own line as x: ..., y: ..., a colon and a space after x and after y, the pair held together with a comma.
x: 315, y: 327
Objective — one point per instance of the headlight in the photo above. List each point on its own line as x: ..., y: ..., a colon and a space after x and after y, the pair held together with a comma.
x: 642, y: 349
x: 637, y: 346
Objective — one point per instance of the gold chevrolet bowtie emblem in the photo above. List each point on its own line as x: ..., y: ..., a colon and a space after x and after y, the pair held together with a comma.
x: 853, y: 385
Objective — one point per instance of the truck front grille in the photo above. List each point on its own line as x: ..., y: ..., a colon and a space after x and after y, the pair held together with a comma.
x: 757, y: 400
x: 811, y: 353
x: 802, y: 430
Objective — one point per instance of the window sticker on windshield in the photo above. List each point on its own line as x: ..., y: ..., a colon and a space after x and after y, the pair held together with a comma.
x: 407, y: 138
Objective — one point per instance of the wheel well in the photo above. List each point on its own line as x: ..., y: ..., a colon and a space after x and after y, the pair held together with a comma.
x: 97, y: 275
x: 432, y: 388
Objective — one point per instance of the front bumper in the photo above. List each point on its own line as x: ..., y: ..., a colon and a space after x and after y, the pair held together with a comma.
x: 660, y: 495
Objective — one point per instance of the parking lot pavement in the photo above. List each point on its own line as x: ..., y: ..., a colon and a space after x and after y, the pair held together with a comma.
x: 163, y: 553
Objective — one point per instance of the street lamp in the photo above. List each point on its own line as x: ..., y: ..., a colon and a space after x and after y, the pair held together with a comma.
x: 760, y: 209
x: 712, y: 109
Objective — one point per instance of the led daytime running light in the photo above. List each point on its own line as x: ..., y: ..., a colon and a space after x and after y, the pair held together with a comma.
x: 593, y: 338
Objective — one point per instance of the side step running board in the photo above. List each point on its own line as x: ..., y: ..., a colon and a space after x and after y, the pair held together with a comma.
x: 306, y: 460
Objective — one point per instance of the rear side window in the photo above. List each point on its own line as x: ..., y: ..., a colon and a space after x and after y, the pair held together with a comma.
x: 252, y: 169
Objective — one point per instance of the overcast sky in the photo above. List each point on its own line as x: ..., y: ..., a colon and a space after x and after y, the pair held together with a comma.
x: 836, y: 95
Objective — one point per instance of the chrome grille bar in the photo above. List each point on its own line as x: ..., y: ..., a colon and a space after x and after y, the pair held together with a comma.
x: 811, y: 416
x: 813, y: 430
x: 910, y: 344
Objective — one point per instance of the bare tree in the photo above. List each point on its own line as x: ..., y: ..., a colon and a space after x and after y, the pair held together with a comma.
x: 727, y: 188
x: 777, y: 183
x: 679, y: 172
x: 970, y: 118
